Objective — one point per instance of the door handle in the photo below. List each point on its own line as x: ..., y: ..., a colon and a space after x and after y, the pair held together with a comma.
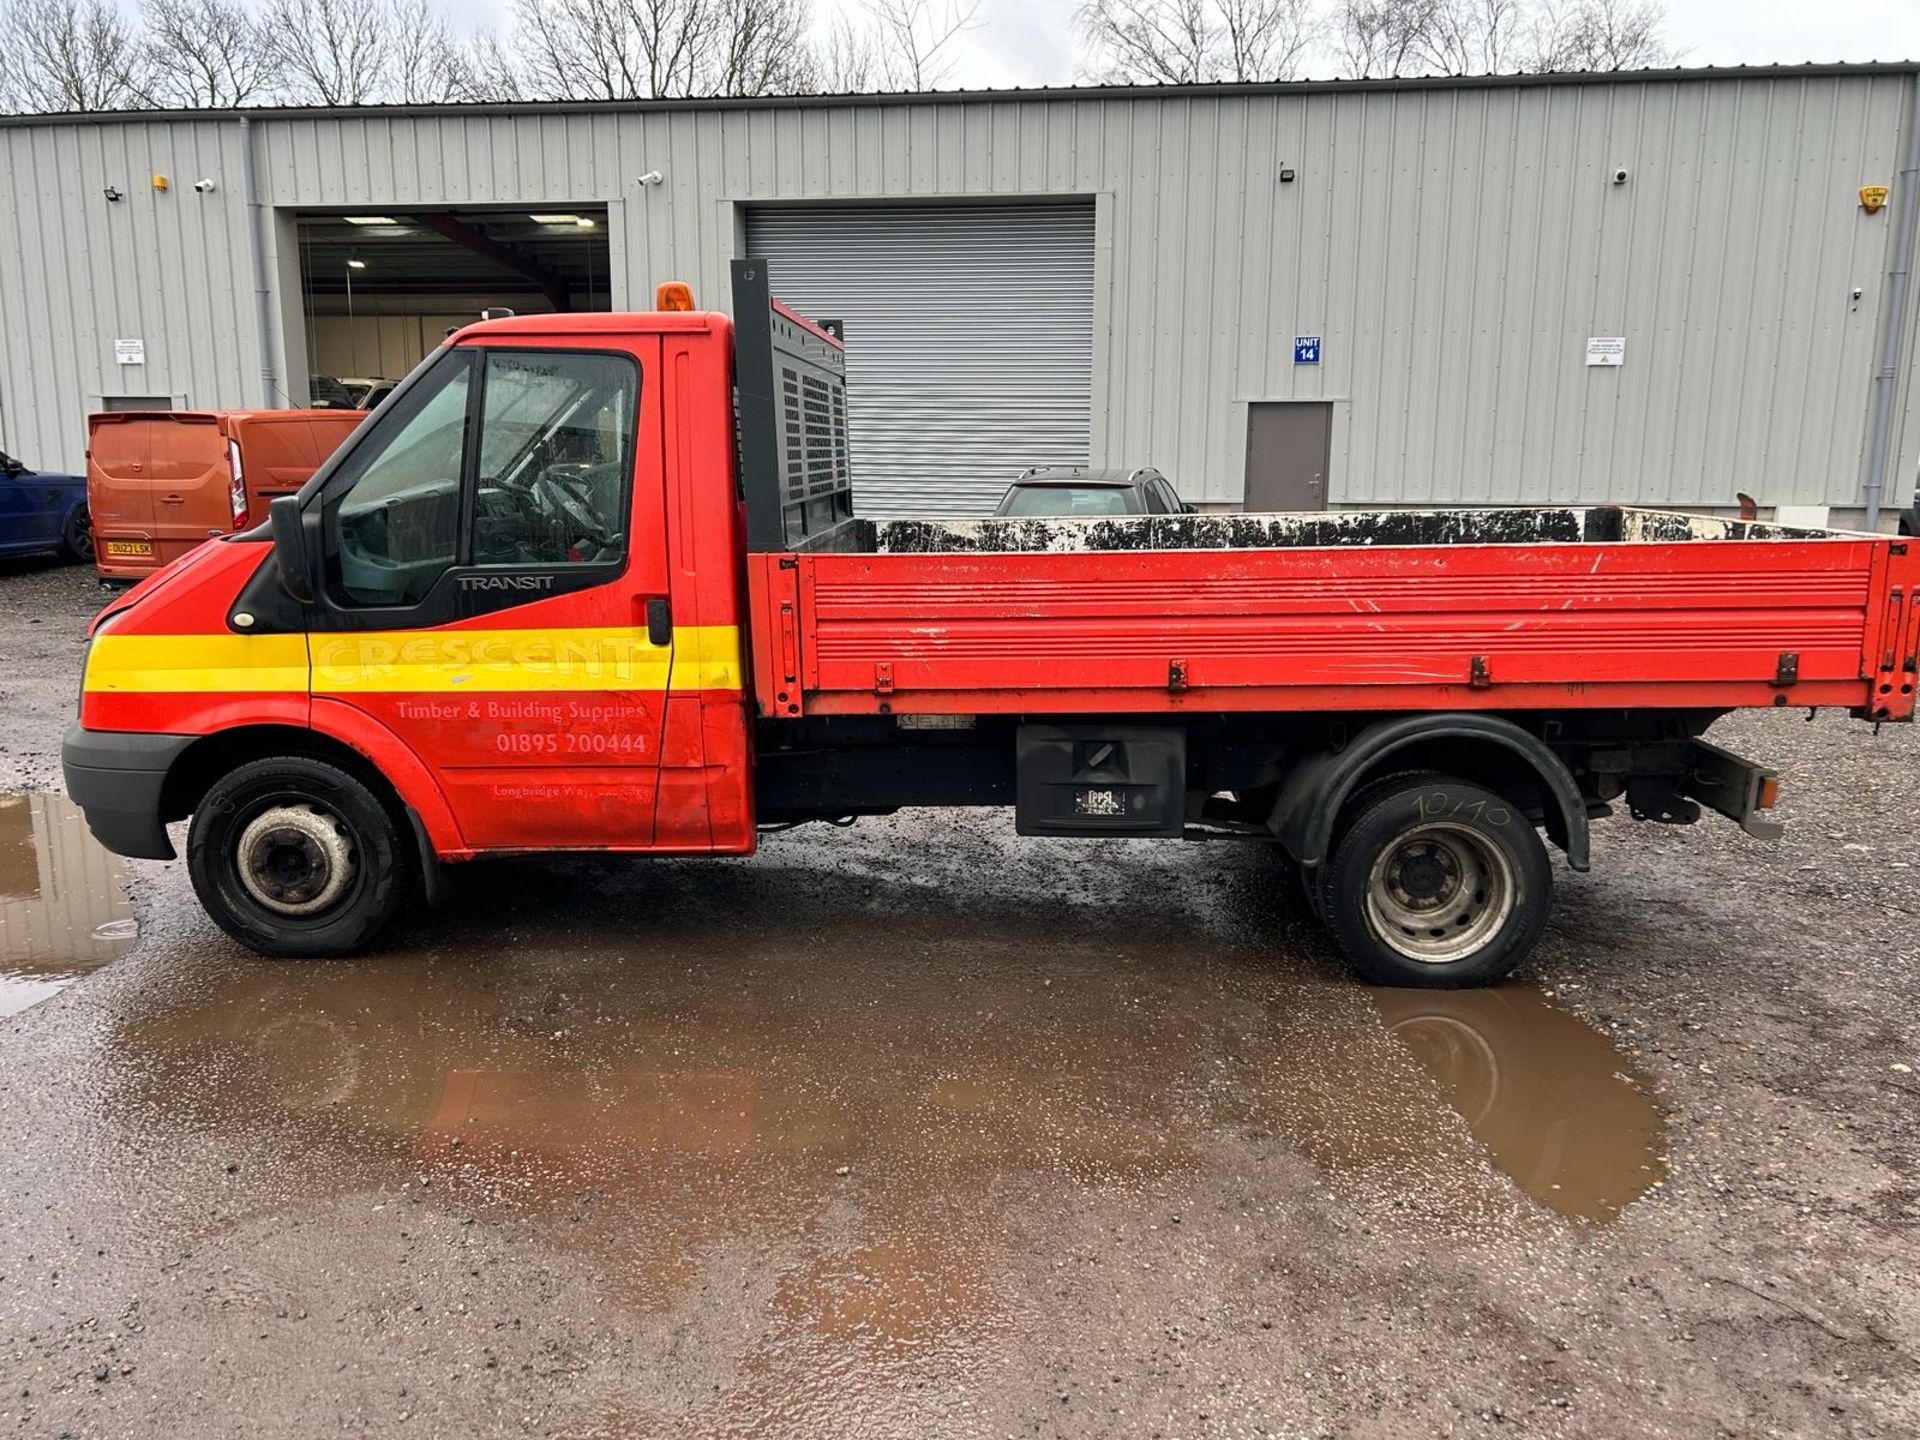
x: 659, y: 622
x: 174, y: 499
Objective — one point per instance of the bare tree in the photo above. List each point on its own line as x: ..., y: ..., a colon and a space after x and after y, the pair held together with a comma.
x: 1181, y: 42
x: 207, y: 54
x: 425, y: 63
x: 1382, y: 39
x: 913, y: 39
x: 1599, y: 35
x: 71, y: 55
x: 762, y: 48
x: 1385, y: 38
x: 845, y: 60
x: 331, y: 52
x: 1471, y: 37
x: 492, y: 69
x: 9, y: 103
x: 607, y: 49
x: 645, y: 49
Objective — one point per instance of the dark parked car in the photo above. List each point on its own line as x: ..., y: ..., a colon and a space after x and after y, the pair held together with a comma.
x: 39, y: 511
x: 1047, y: 491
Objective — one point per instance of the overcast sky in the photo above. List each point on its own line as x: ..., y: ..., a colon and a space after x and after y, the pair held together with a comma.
x: 1030, y: 42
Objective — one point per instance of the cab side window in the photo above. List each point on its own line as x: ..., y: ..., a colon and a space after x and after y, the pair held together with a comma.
x: 539, y: 446
x: 556, y: 448
x: 393, y: 526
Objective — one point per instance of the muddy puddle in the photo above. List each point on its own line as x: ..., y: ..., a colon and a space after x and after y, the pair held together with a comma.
x: 935, y: 1064
x: 1553, y: 1102
x: 63, y: 903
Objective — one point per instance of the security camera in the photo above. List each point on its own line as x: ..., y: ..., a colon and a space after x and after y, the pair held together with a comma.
x: 1619, y: 177
x: 652, y: 177
x: 205, y: 187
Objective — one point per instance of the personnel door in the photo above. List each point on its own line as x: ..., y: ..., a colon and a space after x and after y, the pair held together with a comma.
x: 494, y: 553
x: 1288, y: 442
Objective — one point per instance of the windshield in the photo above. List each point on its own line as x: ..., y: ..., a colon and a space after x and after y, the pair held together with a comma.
x: 1068, y: 500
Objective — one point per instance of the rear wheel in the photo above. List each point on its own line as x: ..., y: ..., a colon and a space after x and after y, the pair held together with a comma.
x: 295, y: 857
x: 77, y: 539
x: 1435, y: 882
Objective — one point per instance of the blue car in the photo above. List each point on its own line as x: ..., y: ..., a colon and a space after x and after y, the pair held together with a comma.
x: 42, y: 512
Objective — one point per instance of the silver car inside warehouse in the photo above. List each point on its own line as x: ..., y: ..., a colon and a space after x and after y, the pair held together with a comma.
x: 1678, y: 288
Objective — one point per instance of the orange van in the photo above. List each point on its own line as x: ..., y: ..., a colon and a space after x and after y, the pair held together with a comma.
x: 160, y: 482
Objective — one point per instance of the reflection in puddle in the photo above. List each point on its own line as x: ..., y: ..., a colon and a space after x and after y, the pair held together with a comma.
x: 1547, y: 1095
x: 63, y: 905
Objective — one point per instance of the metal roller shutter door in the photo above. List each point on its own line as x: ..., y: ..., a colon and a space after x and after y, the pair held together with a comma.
x: 969, y: 339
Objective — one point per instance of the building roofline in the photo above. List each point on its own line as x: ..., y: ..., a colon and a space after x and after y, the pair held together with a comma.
x: 1808, y: 71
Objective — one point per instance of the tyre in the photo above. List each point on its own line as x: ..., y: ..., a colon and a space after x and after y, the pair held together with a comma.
x: 1315, y: 880
x: 76, y: 541
x: 1436, y: 883
x: 295, y: 857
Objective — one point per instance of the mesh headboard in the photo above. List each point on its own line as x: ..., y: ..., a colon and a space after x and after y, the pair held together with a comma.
x: 791, y: 381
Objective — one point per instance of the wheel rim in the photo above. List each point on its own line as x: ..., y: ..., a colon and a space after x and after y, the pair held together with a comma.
x: 82, y: 538
x: 1439, y: 892
x: 296, y: 858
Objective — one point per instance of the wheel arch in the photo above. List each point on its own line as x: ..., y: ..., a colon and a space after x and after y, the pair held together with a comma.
x: 399, y: 778
x: 202, y: 763
x: 1482, y: 748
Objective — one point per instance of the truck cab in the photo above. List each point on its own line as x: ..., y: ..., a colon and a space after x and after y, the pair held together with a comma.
x: 507, y: 601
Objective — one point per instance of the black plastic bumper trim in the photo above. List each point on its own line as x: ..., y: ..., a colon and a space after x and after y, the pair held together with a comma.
x: 115, y: 777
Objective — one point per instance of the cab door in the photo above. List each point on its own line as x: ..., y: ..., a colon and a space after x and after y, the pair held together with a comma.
x: 494, y: 551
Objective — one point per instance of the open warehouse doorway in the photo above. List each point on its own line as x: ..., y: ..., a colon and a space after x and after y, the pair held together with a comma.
x: 380, y: 288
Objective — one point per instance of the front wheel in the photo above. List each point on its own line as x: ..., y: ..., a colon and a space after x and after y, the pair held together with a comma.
x: 295, y: 857
x: 1436, y: 883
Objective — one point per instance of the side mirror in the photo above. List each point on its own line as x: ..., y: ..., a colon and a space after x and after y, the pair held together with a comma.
x: 290, y: 552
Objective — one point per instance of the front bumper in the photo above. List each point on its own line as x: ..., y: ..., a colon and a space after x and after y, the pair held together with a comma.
x: 116, y: 777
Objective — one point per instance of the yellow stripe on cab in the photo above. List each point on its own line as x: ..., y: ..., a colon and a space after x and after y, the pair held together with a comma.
x: 700, y: 657
x: 196, y: 664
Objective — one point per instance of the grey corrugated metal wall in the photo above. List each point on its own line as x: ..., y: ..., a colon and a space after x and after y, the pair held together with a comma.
x: 970, y: 350
x: 1453, y: 245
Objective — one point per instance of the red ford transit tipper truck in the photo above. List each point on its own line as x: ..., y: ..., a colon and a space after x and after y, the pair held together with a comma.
x: 540, y: 603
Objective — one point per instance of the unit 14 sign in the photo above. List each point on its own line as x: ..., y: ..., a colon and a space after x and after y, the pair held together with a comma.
x: 1306, y: 349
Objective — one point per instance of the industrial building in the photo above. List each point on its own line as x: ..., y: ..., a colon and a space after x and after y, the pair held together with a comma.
x: 1666, y: 288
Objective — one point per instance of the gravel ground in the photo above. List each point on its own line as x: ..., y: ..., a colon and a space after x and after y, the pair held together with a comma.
x: 915, y: 1130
